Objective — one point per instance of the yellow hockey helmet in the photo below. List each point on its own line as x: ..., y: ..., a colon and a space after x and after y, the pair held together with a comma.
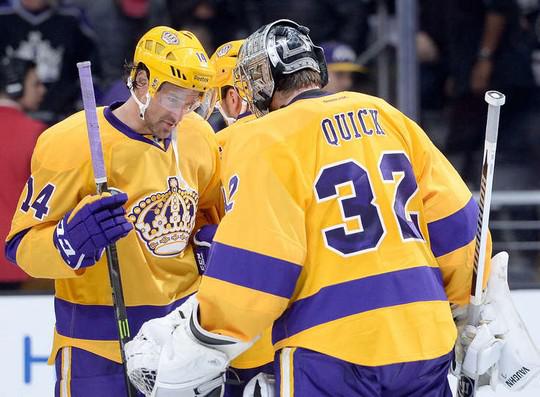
x: 224, y: 61
x: 176, y: 57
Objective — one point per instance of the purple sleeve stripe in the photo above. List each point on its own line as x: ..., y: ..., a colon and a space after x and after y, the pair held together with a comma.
x: 10, y: 249
x: 97, y: 322
x: 418, y: 284
x: 252, y: 270
x: 454, y: 231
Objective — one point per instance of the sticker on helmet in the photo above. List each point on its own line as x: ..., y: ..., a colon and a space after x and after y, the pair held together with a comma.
x: 169, y: 37
x: 224, y: 50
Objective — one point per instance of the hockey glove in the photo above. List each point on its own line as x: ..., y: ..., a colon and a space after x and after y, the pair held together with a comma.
x: 499, y: 350
x: 192, y: 362
x: 96, y: 222
x: 203, y: 241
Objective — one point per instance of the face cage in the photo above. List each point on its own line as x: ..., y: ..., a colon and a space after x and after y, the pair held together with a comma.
x: 255, y: 84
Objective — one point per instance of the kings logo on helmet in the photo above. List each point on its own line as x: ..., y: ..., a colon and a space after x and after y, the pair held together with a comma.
x: 169, y: 38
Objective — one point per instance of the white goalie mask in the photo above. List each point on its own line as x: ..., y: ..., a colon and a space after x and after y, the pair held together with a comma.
x: 279, y: 48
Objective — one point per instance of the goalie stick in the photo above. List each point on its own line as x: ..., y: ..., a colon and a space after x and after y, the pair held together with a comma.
x: 467, y: 385
x: 89, y: 103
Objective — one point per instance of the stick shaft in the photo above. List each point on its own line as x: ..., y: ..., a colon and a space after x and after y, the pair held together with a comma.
x: 467, y: 385
x: 89, y: 103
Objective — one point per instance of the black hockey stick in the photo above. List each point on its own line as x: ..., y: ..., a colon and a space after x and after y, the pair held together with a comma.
x: 89, y: 103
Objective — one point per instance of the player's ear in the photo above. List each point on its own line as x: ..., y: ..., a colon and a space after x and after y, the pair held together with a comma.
x: 234, y: 98
x: 141, y: 85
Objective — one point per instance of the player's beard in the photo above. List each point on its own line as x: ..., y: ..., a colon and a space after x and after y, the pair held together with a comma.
x: 161, y: 128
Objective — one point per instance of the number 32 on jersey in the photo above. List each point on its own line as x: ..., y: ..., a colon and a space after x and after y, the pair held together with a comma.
x: 362, y: 205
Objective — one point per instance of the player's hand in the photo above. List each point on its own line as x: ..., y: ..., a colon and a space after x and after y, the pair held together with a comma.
x: 143, y: 351
x: 482, y: 352
x: 481, y: 75
x: 202, y: 241
x: 176, y: 356
x: 96, y: 222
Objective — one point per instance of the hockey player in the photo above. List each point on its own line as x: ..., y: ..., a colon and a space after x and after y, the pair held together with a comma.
x: 229, y: 106
x: 163, y: 159
x: 346, y: 229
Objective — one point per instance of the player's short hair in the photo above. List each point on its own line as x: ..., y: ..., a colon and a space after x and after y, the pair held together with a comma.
x: 129, y: 67
x: 225, y: 89
x: 302, y: 79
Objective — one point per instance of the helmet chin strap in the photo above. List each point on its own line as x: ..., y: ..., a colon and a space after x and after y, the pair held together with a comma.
x: 142, y: 106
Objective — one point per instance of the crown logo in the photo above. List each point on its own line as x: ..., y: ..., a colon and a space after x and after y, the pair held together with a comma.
x: 164, y: 220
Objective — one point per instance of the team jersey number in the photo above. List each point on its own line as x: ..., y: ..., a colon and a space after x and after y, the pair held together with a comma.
x: 41, y: 203
x: 228, y: 194
x: 361, y: 204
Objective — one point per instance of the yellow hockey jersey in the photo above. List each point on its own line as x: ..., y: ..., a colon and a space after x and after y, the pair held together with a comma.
x: 156, y: 260
x: 345, y: 228
x: 262, y: 351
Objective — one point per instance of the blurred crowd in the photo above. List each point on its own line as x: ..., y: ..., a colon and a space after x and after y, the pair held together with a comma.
x: 464, y: 47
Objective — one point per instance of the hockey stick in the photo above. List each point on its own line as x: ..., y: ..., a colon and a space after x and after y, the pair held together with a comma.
x: 89, y: 103
x: 467, y: 385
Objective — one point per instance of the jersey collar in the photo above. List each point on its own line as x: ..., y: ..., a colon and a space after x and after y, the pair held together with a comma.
x: 316, y: 93
x: 126, y: 130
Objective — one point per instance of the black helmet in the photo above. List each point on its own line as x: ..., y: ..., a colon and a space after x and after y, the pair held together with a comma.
x: 279, y: 48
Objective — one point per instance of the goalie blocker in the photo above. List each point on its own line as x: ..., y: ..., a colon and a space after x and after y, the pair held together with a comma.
x: 500, y: 349
x: 174, y: 356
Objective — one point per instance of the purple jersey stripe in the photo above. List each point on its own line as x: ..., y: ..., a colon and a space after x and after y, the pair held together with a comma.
x: 454, y: 231
x: 252, y: 270
x: 98, y: 322
x: 10, y: 249
x: 331, y: 303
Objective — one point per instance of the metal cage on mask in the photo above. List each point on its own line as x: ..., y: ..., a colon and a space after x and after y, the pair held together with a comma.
x: 280, y: 48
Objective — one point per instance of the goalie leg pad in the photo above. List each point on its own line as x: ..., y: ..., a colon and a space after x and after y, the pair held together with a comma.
x: 520, y: 359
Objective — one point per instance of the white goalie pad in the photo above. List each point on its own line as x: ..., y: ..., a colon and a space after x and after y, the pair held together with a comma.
x: 519, y: 363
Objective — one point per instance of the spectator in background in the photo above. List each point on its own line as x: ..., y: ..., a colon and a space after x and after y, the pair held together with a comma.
x: 21, y: 91
x: 55, y: 37
x: 340, y: 59
x: 488, y: 49
x: 344, y: 20
x: 431, y: 49
x: 118, y: 24
x: 213, y: 21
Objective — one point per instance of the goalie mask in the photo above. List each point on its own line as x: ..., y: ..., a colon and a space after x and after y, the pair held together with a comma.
x: 280, y: 48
